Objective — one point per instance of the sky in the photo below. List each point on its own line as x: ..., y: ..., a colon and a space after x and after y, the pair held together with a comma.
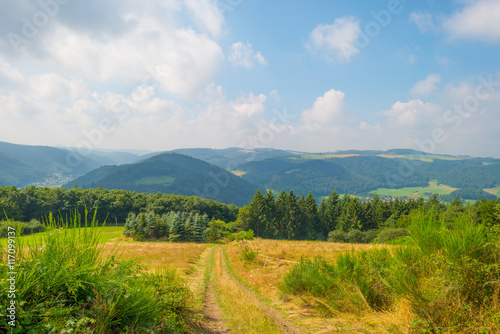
x: 314, y: 76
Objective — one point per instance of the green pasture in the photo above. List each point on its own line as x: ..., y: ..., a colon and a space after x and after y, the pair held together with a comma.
x: 107, y: 233
x: 155, y: 180
x: 433, y: 188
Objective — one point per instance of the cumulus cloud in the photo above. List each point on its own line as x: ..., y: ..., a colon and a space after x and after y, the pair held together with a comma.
x: 477, y: 20
x: 337, y: 40
x: 326, y: 109
x: 242, y: 54
x: 427, y: 86
x: 413, y: 113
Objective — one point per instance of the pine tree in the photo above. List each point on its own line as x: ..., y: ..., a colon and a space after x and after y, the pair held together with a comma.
x: 280, y: 219
x: 313, y: 229
x: 178, y: 230
x: 269, y: 214
x: 292, y: 216
x: 198, y: 229
x: 256, y: 214
x: 189, y: 227
x: 330, y: 213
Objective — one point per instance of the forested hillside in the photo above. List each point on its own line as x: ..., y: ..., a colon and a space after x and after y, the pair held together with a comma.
x: 17, y: 173
x: 363, y: 173
x: 171, y: 173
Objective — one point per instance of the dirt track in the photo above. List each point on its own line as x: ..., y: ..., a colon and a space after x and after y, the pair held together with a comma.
x: 212, y: 283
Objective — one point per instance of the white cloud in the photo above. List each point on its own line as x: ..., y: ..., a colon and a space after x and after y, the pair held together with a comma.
x: 427, y: 86
x: 207, y: 15
x: 424, y: 21
x: 413, y: 113
x: 327, y: 109
x: 337, y: 40
x: 9, y: 72
x: 242, y: 54
x: 477, y: 20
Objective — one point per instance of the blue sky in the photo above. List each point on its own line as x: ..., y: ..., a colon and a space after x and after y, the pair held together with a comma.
x: 302, y: 75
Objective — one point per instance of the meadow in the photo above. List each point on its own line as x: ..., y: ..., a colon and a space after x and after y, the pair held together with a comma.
x: 432, y: 188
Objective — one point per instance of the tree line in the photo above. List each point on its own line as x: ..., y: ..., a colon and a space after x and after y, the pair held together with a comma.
x: 291, y: 217
x: 113, y: 206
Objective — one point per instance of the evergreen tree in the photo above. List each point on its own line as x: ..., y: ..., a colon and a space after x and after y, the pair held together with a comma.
x: 313, y: 230
x: 257, y: 221
x: 351, y: 214
x: 269, y: 214
x: 178, y: 229
x: 198, y: 229
x: 189, y: 226
x: 280, y: 219
x: 292, y: 217
x: 330, y: 213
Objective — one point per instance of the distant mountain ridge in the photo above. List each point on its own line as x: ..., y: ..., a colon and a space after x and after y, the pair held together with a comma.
x: 358, y: 172
x: 36, y: 164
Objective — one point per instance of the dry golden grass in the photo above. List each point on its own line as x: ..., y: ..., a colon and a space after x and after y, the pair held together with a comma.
x: 303, y: 310
x: 265, y: 280
x: 157, y: 255
x: 241, y: 309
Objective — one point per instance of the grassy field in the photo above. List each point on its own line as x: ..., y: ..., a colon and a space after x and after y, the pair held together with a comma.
x: 108, y: 233
x: 430, y: 157
x: 494, y: 191
x: 238, y: 172
x: 432, y: 188
x: 265, y: 281
x: 155, y: 180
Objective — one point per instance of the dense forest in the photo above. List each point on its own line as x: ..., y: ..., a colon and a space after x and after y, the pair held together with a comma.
x: 112, y: 206
x: 292, y: 217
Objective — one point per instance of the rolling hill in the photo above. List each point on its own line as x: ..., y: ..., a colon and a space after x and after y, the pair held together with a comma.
x: 171, y: 173
x: 22, y: 165
x: 359, y: 172
x: 16, y: 173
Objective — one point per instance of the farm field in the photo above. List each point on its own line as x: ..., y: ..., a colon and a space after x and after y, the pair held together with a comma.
x: 494, y: 191
x: 432, y: 188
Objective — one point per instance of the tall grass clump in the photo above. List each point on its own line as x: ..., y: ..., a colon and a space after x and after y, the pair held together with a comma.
x: 68, y: 282
x: 448, y: 273
x: 352, y: 283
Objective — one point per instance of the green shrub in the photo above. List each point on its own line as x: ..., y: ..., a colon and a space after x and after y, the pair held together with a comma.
x: 353, y: 283
x: 390, y: 234
x: 369, y: 236
x: 354, y: 236
x: 247, y: 254
x: 242, y: 235
x: 337, y: 236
